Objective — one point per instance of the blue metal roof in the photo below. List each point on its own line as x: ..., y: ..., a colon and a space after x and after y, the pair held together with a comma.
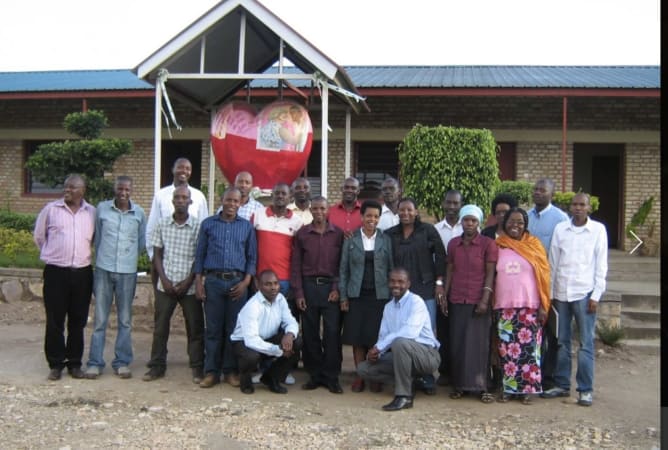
x: 71, y: 80
x: 389, y: 77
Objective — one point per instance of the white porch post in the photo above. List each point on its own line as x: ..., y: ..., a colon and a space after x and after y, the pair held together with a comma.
x: 157, y: 137
x: 212, y: 177
x: 346, y: 169
x: 324, y: 139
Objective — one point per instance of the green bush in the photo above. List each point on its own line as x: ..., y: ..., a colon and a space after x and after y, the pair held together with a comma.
x: 144, y: 263
x: 17, y: 221
x: 521, y: 190
x: 563, y: 201
x: 15, y: 243
x: 609, y: 334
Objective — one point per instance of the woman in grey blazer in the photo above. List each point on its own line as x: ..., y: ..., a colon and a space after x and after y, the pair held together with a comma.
x: 366, y: 260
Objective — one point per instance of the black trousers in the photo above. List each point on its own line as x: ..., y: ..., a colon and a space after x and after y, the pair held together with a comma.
x: 67, y: 294
x: 249, y: 359
x: 322, y: 356
x: 193, y: 314
x: 549, y: 355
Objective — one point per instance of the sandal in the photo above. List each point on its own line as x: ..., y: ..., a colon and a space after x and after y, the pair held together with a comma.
x: 486, y: 397
x: 526, y: 399
x: 456, y: 395
x: 503, y: 398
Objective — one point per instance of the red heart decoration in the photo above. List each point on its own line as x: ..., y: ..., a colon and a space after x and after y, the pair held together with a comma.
x: 273, y: 145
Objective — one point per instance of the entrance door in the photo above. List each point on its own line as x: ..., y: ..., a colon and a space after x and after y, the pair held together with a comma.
x: 598, y: 171
x: 171, y: 151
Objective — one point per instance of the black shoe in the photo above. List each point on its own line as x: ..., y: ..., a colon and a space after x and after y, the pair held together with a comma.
x: 153, y: 374
x: 334, y: 387
x: 54, y: 374
x: 399, y: 402
x: 198, y: 375
x: 311, y: 385
x: 76, y: 372
x: 426, y: 384
x: 273, y: 384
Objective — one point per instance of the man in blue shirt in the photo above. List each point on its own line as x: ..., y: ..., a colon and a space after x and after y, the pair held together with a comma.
x: 266, y: 330
x: 120, y: 230
x: 543, y: 218
x: 406, y: 346
x: 225, y: 262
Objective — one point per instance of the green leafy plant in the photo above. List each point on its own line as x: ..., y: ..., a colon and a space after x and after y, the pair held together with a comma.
x: 521, y: 190
x: 435, y: 159
x: 640, y: 218
x: 609, y: 334
x: 563, y: 201
x: 90, y: 156
x: 17, y: 221
x: 16, y: 242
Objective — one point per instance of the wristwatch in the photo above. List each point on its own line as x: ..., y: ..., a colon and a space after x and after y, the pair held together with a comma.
x: 439, y: 282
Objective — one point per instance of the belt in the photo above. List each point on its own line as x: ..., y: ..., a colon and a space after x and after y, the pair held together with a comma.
x: 320, y: 280
x: 224, y: 275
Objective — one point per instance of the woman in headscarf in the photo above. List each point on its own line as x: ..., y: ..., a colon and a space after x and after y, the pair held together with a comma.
x: 468, y: 286
x: 366, y: 261
x: 522, y: 301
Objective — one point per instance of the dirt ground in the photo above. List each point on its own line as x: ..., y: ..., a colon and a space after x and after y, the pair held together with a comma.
x: 174, y: 413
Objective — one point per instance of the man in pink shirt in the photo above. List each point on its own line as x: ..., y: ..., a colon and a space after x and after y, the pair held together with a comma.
x: 64, y: 234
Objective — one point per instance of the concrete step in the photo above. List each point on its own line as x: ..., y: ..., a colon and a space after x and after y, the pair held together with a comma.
x: 652, y: 346
x: 645, y: 331
x: 641, y: 302
x: 625, y: 275
x: 639, y: 315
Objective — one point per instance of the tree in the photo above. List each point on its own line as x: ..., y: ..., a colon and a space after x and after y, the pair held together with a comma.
x: 90, y: 156
x: 436, y: 159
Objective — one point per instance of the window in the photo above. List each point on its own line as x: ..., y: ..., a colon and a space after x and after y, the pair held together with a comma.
x: 32, y: 186
x: 375, y: 162
x: 313, y: 170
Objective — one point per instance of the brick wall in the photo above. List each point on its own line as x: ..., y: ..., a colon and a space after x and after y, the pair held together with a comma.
x: 642, y: 174
x: 537, y: 160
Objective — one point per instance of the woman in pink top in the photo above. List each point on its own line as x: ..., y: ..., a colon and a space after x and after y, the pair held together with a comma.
x: 522, y: 299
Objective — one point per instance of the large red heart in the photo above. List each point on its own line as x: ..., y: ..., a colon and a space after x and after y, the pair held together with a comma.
x: 273, y: 145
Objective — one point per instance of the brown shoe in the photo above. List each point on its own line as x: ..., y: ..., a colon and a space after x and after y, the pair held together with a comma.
x: 209, y: 380
x: 232, y: 379
x: 358, y: 385
x: 375, y: 386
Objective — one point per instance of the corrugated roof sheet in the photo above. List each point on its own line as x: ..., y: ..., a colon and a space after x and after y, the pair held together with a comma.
x: 392, y: 77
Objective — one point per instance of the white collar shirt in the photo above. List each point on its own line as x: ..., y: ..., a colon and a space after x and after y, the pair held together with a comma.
x: 447, y: 231
x: 406, y: 318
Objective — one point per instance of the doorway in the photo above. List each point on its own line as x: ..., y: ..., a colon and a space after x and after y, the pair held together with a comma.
x: 597, y: 169
x: 172, y: 150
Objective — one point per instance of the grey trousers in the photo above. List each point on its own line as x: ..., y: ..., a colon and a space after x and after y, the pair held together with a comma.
x: 407, y: 359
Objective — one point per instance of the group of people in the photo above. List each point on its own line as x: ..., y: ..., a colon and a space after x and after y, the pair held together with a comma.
x: 262, y: 287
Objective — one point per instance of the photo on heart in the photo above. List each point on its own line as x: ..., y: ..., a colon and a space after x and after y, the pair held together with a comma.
x: 283, y: 125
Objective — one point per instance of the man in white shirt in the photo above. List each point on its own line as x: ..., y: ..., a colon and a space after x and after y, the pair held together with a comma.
x: 162, y: 205
x: 448, y: 228
x: 244, y: 182
x: 389, y: 215
x: 301, y: 195
x: 266, y: 330
x: 579, y: 264
x: 406, y: 346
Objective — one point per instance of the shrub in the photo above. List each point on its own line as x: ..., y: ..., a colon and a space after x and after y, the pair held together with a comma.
x: 144, y: 263
x: 609, y: 334
x: 521, y: 190
x: 563, y: 201
x: 17, y: 221
x: 14, y: 243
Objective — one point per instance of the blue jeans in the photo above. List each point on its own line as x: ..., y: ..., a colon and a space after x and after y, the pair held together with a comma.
x: 106, y: 287
x: 586, y: 323
x: 220, y: 317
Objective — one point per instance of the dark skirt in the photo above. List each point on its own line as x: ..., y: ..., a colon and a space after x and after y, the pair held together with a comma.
x: 469, y: 348
x: 520, y: 337
x: 362, y: 321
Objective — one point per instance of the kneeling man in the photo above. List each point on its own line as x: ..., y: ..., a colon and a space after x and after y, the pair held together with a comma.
x: 406, y: 346
x: 266, y: 330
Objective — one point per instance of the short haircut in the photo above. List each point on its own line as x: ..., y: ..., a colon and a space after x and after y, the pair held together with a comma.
x: 547, y: 182
x: 301, y: 179
x: 403, y: 270
x: 318, y: 198
x: 281, y: 184
x: 516, y: 209
x: 76, y: 176
x: 504, y: 197
x: 266, y: 272
x: 123, y: 179
x: 370, y: 204
x: 409, y: 200
x: 230, y: 189
x: 181, y: 159
x: 454, y: 192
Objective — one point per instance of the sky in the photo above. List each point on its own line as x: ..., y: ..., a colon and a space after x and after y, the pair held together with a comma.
x: 40, y: 35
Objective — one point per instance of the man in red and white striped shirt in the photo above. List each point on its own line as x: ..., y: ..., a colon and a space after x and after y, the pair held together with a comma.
x: 64, y: 233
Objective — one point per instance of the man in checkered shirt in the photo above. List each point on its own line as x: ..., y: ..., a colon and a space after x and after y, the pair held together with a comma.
x: 174, y: 240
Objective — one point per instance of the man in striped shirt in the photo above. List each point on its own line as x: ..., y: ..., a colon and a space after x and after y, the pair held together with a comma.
x: 64, y: 234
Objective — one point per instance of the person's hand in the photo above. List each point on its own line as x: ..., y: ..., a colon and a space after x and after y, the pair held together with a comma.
x: 168, y: 287
x: 301, y: 303
x: 238, y: 290
x: 481, y: 308
x: 181, y: 288
x: 333, y: 296
x: 345, y: 304
x: 373, y: 354
x: 542, y: 316
x: 347, y: 234
x: 200, y: 293
x: 443, y: 304
x: 591, y: 306
x: 286, y: 343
